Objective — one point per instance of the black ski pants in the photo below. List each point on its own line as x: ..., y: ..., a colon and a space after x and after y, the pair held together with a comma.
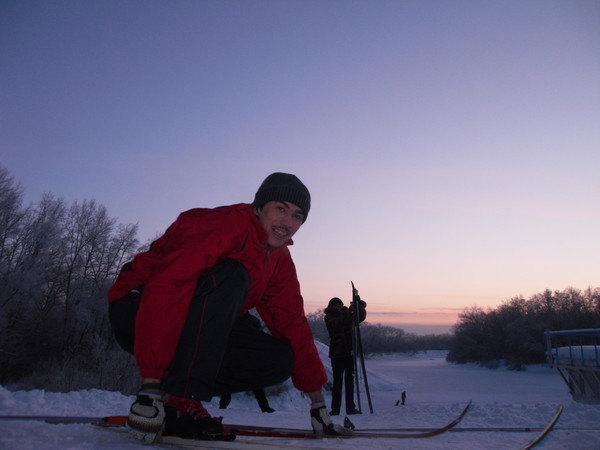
x: 218, y: 352
x: 343, y: 374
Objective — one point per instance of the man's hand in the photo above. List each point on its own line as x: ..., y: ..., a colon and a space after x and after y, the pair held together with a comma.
x: 322, y: 424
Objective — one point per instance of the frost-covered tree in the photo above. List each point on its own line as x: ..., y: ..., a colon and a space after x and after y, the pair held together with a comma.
x: 56, y: 264
x: 11, y: 223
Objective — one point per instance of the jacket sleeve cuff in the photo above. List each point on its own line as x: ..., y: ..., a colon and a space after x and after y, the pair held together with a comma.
x: 148, y: 372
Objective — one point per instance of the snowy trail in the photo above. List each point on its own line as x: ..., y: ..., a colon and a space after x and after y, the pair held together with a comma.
x: 436, y: 392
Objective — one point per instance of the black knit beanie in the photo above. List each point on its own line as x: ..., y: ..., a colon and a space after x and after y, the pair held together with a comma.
x: 335, y: 301
x: 283, y: 187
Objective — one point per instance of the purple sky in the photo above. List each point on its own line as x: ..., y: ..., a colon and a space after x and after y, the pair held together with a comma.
x: 452, y: 149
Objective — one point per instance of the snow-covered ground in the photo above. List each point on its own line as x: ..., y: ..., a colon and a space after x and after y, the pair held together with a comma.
x: 436, y: 392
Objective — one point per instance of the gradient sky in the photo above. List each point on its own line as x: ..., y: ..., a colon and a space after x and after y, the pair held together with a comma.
x: 452, y: 149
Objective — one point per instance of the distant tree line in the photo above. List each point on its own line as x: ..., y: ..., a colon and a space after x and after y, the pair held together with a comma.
x: 380, y: 338
x: 513, y: 333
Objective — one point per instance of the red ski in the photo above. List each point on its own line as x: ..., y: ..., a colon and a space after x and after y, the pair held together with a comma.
x: 259, y: 431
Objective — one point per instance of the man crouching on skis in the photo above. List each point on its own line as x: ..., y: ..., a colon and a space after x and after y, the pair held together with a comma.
x: 181, y: 307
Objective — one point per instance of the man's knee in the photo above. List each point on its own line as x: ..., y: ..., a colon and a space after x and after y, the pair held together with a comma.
x: 231, y: 269
x: 227, y: 276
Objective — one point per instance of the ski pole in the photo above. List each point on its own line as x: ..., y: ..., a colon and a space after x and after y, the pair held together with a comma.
x: 355, y: 363
x: 356, y: 304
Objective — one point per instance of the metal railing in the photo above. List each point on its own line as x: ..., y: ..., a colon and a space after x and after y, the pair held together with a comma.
x: 573, y: 348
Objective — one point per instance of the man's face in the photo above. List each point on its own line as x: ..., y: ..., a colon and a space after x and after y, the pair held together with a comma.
x: 280, y: 220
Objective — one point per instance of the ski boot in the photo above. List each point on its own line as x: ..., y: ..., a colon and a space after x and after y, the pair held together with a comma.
x: 189, y: 419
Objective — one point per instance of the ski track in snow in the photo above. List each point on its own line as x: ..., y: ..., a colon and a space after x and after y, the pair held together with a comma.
x: 436, y: 393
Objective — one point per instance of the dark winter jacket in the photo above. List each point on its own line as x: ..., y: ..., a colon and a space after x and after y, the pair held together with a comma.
x: 339, y: 325
x: 195, y: 242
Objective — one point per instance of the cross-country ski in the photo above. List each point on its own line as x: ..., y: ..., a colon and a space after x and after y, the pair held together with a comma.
x: 253, y: 430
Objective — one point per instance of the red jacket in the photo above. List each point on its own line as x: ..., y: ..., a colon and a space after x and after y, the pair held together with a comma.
x: 169, y: 271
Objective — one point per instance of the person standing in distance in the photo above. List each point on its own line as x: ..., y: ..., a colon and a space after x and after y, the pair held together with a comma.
x: 339, y: 321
